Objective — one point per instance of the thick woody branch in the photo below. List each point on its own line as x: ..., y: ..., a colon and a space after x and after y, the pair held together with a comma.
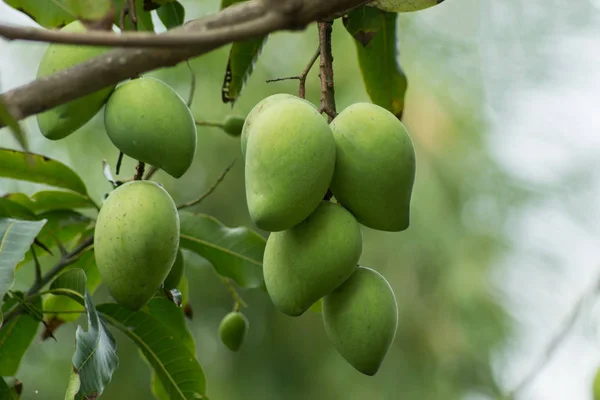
x: 239, y: 22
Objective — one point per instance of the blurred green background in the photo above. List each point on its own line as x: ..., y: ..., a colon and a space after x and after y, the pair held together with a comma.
x: 451, y: 320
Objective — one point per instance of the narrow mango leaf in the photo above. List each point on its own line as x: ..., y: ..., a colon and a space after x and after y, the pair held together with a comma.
x: 16, y: 337
x: 171, y: 14
x: 374, y: 32
x: 16, y: 237
x: 12, y: 209
x: 53, y: 200
x: 49, y: 14
x: 236, y: 253
x: 144, y: 17
x: 242, y: 59
x: 176, y: 366
x: 39, y: 169
x: 7, y: 119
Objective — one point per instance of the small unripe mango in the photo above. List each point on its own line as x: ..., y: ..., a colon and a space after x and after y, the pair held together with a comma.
x: 403, y: 5
x: 148, y: 121
x: 232, y: 330
x: 306, y: 262
x: 233, y: 125
x: 361, y: 319
x: 375, y: 166
x: 136, y: 241
x: 61, y: 121
x: 176, y: 272
x: 290, y: 156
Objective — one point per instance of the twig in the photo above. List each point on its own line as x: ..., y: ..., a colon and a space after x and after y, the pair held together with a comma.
x: 139, y: 171
x: 133, y: 14
x: 209, y: 123
x: 192, y: 84
x: 302, y: 76
x: 326, y: 70
x: 151, y: 172
x: 38, y: 267
x: 556, y: 340
x: 237, y: 299
x: 210, y: 190
x: 119, y: 161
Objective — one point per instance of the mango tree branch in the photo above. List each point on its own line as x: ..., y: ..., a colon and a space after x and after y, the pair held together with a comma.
x: 239, y: 22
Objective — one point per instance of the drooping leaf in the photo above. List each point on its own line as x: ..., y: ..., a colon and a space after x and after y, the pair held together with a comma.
x: 171, y: 14
x: 7, y: 119
x: 12, y: 209
x: 39, y: 169
x: 16, y: 336
x: 144, y: 17
x: 374, y: 32
x: 52, y: 200
x: 236, y: 253
x: 240, y: 65
x: 49, y: 14
x: 16, y: 237
x: 175, y: 365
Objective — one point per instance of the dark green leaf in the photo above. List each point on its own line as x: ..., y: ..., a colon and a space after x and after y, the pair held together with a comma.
x: 242, y: 58
x: 11, y: 388
x: 171, y: 14
x: 52, y: 200
x: 72, y: 284
x: 236, y: 253
x: 16, y: 337
x: 144, y: 18
x: 7, y: 119
x: 12, y: 209
x: 175, y: 365
x: 39, y: 169
x: 16, y: 237
x: 49, y: 14
x: 374, y: 32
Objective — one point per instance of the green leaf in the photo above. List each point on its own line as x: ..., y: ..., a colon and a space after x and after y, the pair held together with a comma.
x: 73, y: 387
x: 144, y: 17
x: 88, y: 10
x: 374, y: 32
x: 12, y: 209
x: 7, y: 119
x: 175, y: 365
x: 236, y: 253
x: 53, y: 200
x: 10, y: 388
x: 47, y: 13
x: 242, y: 59
x: 16, y: 337
x: 39, y: 169
x: 171, y: 14
x: 16, y: 237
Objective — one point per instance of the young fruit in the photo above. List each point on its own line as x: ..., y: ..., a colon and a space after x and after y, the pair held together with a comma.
x: 290, y: 156
x: 233, y: 125
x: 375, y: 166
x: 403, y: 5
x: 232, y: 330
x: 306, y: 262
x: 61, y: 121
x: 176, y: 272
x: 136, y: 240
x: 148, y: 121
x: 361, y: 319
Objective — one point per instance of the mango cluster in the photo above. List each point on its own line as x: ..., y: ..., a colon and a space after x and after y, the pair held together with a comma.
x: 143, y: 117
x: 293, y: 158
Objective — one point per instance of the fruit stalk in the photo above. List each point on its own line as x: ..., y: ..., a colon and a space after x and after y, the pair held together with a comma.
x: 326, y: 70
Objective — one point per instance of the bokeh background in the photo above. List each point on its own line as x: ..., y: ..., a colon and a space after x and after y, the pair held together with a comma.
x: 503, y: 109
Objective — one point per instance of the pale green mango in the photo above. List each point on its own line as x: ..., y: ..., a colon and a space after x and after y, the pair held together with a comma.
x: 233, y: 329
x: 136, y: 241
x: 176, y: 272
x: 403, y: 5
x: 361, y: 319
x: 61, y: 121
x: 308, y: 261
x: 148, y: 121
x: 290, y: 157
x: 256, y: 110
x: 375, y: 166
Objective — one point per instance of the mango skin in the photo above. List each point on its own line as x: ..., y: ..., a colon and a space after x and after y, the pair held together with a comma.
x: 290, y: 157
x: 308, y: 261
x: 233, y: 329
x: 136, y: 240
x: 375, y: 166
x: 233, y: 125
x: 403, y: 5
x: 148, y: 121
x: 176, y: 272
x: 61, y: 121
x: 361, y: 319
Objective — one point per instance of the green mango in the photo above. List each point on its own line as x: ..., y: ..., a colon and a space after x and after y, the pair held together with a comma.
x: 375, y: 166
x: 176, y: 272
x: 256, y: 110
x: 233, y: 329
x: 148, y: 121
x: 233, y: 125
x: 306, y: 262
x: 290, y: 157
x: 596, y: 385
x: 403, y: 5
x: 61, y: 121
x: 136, y: 239
x: 361, y: 319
